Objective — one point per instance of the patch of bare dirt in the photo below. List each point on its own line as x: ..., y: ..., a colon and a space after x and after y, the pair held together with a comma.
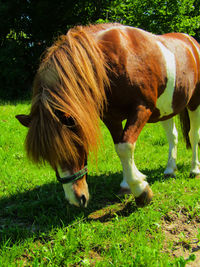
x: 181, y: 233
x: 94, y: 257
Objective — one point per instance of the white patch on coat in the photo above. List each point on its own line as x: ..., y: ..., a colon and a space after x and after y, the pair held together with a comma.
x: 68, y: 188
x: 164, y: 102
x: 133, y: 177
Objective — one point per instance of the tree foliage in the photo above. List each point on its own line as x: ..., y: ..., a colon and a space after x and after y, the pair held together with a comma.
x: 27, y: 27
x: 158, y: 16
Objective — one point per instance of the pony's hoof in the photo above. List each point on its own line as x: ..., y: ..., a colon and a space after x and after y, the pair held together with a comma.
x: 145, y: 198
x: 124, y: 191
x: 169, y: 175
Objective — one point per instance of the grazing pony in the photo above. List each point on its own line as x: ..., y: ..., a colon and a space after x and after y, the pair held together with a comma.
x: 113, y: 72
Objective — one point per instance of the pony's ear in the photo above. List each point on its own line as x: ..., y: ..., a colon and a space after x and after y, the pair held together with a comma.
x: 25, y: 120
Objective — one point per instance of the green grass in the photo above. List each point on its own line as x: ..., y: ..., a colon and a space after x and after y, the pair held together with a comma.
x: 38, y: 228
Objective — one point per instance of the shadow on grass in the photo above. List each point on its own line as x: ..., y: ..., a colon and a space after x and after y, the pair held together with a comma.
x: 158, y: 173
x: 25, y: 215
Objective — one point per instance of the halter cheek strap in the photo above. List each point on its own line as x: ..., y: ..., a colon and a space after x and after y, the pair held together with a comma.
x: 72, y: 178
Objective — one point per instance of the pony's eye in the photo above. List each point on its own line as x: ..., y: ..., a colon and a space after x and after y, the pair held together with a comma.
x: 68, y: 121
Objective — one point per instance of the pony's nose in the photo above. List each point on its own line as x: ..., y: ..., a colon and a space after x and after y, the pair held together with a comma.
x: 83, y: 201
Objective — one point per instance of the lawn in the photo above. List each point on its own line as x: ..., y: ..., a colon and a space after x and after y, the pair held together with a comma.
x: 39, y: 228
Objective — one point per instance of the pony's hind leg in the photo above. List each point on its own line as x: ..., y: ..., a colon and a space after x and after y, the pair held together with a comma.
x: 172, y: 137
x: 194, y: 135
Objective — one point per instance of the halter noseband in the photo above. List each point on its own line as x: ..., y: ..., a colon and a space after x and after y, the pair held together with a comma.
x: 72, y: 178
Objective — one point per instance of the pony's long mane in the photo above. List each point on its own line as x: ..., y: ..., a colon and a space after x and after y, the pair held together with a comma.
x: 71, y: 78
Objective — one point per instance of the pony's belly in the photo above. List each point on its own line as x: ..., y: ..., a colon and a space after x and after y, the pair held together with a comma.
x: 155, y: 117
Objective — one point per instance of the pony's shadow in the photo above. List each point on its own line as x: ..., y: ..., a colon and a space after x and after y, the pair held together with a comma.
x: 44, y: 208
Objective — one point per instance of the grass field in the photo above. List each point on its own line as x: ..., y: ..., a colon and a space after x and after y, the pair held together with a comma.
x: 38, y: 227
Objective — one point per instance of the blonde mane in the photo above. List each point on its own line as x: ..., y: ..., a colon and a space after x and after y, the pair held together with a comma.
x: 71, y: 78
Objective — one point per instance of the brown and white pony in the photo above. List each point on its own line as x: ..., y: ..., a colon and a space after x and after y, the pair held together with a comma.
x: 114, y: 72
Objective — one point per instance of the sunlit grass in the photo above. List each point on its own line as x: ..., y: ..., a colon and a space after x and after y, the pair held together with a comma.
x: 38, y: 228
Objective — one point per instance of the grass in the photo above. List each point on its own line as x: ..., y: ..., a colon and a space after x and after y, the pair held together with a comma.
x: 38, y: 228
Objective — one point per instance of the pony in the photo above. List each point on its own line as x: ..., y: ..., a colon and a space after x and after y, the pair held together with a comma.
x: 114, y: 73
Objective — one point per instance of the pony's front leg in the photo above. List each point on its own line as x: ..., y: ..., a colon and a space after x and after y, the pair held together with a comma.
x: 194, y: 135
x: 116, y: 130
x: 132, y: 177
x: 125, y: 150
x: 172, y: 137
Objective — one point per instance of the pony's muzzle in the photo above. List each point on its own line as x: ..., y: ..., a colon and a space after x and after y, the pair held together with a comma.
x: 76, y: 198
x: 81, y: 192
x: 75, y: 186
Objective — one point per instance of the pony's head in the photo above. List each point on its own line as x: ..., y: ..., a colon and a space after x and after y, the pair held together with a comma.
x: 57, y: 139
x: 68, y: 98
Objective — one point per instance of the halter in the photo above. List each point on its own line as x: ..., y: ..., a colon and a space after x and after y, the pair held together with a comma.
x: 72, y: 178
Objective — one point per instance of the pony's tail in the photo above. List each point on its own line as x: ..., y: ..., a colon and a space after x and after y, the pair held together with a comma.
x: 185, y: 126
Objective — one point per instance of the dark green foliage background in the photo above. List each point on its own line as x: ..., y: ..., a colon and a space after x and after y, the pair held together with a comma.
x: 27, y: 27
